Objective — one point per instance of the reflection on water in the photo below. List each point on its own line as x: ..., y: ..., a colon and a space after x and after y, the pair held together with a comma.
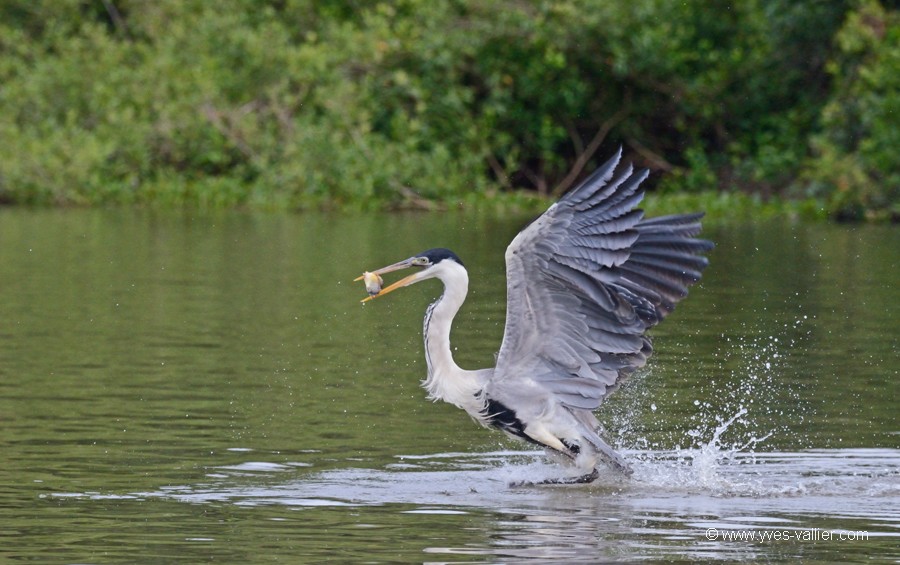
x: 667, y: 509
x: 208, y: 388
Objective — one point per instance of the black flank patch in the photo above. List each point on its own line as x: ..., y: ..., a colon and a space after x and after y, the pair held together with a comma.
x: 573, y: 447
x: 503, y: 418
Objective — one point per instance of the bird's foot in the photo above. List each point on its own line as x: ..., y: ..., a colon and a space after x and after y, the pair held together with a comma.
x: 624, y: 468
x: 580, y: 480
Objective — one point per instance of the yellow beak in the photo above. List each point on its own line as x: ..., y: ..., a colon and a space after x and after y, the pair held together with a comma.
x: 406, y: 281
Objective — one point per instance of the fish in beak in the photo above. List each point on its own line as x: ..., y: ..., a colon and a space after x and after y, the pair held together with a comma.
x: 373, y: 279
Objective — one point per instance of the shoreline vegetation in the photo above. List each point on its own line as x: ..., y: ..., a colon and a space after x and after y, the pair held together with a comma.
x: 718, y: 207
x: 758, y: 109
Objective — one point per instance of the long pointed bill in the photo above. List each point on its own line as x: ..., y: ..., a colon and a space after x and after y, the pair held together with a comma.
x: 405, y: 264
x: 406, y: 281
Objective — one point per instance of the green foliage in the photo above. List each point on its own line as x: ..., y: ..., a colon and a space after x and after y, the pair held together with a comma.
x: 311, y: 103
x: 856, y: 166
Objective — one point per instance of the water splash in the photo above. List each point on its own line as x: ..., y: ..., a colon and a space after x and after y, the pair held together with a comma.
x: 728, y: 418
x: 707, y: 467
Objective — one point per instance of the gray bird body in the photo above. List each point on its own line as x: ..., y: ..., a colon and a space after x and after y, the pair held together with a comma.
x: 585, y: 281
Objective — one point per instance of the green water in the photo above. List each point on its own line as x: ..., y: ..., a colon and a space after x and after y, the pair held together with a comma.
x: 208, y: 388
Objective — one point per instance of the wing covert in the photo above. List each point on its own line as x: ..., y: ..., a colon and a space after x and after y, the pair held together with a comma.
x: 584, y: 283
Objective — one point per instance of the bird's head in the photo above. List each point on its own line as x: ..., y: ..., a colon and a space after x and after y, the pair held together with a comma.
x: 439, y: 262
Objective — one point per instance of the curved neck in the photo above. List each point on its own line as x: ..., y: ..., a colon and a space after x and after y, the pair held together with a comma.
x: 446, y: 380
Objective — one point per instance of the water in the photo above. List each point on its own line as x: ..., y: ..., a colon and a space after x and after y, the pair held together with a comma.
x: 207, y: 387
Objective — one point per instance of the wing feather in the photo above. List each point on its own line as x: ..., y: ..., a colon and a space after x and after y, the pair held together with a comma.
x: 586, y: 280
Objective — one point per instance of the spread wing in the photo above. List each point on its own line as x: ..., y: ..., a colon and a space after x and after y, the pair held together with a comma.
x: 584, y: 283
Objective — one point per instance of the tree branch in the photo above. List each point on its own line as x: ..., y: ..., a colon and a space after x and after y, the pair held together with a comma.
x: 116, y: 17
x: 498, y: 170
x: 539, y: 182
x: 591, y: 148
x: 656, y: 160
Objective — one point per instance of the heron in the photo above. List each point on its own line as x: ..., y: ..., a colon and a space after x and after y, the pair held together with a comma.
x: 586, y: 280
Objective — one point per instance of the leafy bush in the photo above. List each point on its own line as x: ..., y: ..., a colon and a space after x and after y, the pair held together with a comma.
x: 308, y: 103
x: 856, y: 167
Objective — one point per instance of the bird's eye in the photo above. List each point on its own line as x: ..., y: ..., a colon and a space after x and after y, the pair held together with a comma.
x: 421, y: 261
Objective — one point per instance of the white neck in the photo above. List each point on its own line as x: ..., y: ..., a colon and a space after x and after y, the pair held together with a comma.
x: 446, y: 380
